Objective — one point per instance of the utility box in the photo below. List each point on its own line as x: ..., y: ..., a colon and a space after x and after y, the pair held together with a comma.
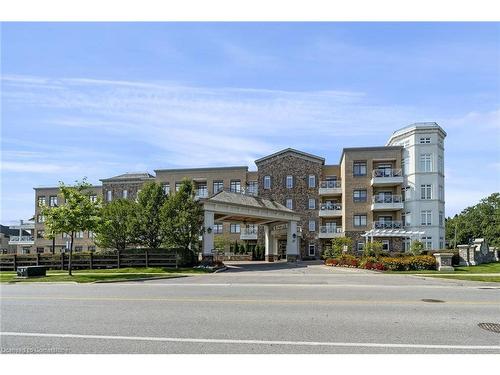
x: 30, y: 271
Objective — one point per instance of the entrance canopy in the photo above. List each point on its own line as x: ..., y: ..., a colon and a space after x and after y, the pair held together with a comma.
x: 249, y: 209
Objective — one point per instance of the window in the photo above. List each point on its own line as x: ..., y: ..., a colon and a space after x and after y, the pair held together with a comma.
x: 441, y: 193
x: 312, y: 181
x: 289, y: 203
x: 41, y: 201
x: 425, y: 163
x: 65, y: 235
x: 385, y: 245
x: 403, y: 218
x: 426, y: 191
x: 91, y: 234
x: 53, y: 201
x: 427, y: 241
x: 407, y: 218
x: 360, y: 246
x: 218, y: 186
x: 441, y: 218
x: 40, y: 218
x: 405, y: 163
x: 312, y: 204
x: 78, y: 248
x: 218, y: 228
x: 360, y: 220
x: 234, y: 228
x: 426, y: 217
x: 359, y: 168
x: 425, y: 140
x: 26, y: 250
x: 405, y: 193
x: 79, y: 234
x: 109, y: 195
x: 166, y: 188
x: 312, y: 249
x: 39, y: 250
x: 359, y: 195
x: 177, y: 186
x: 253, y: 187
x: 93, y: 198
x: 91, y: 248
x: 267, y: 182
x: 235, y: 186
x: 441, y: 242
x: 440, y: 164
x: 312, y: 226
x: 124, y: 194
x: 40, y: 233
x: 289, y: 182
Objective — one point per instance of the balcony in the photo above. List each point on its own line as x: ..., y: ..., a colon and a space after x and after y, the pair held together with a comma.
x: 387, y: 203
x: 21, y: 240
x: 387, y: 177
x: 387, y: 224
x: 328, y: 231
x: 330, y: 187
x: 330, y: 210
x: 249, y: 233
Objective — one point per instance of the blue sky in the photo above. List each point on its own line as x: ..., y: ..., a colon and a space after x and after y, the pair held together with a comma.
x: 97, y: 100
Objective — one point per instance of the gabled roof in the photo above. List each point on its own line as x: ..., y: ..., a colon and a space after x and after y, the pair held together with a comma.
x: 298, y: 153
x: 129, y: 176
x: 248, y: 200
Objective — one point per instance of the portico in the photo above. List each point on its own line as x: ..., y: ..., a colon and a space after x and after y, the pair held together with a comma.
x: 249, y: 209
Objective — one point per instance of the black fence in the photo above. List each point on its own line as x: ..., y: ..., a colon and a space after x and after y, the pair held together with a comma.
x: 116, y: 259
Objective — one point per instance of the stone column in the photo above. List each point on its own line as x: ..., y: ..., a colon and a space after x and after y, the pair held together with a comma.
x: 269, y: 244
x: 208, y: 237
x: 292, y: 242
x: 443, y: 261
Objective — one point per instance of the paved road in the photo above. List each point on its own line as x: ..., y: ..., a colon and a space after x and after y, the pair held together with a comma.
x: 254, y: 308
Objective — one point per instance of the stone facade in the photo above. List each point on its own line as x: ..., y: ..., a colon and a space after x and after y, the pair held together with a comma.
x: 300, y: 167
x: 476, y: 253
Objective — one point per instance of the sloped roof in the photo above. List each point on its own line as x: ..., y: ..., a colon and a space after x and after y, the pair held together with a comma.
x: 130, y: 176
x: 11, y: 232
x: 248, y: 200
x: 289, y: 150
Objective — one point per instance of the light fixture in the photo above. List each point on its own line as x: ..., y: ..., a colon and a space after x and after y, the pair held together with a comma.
x: 209, y: 230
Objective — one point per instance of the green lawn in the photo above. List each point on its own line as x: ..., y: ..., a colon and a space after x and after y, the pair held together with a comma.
x: 117, y: 274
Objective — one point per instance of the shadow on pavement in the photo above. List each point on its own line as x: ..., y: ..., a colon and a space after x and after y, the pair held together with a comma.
x: 267, y: 266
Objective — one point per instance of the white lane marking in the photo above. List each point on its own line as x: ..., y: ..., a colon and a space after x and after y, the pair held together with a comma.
x: 253, y: 342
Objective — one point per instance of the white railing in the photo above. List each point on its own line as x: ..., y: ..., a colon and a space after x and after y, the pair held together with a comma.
x: 387, y: 199
x: 331, y: 207
x: 387, y: 172
x: 327, y: 229
x: 249, y: 230
x: 332, y: 184
x: 21, y: 239
x: 387, y: 224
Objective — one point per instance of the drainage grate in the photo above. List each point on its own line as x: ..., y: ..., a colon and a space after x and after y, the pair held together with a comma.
x: 492, y: 327
x: 432, y: 300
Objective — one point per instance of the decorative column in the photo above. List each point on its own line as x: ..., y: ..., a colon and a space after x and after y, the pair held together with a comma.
x: 443, y: 261
x: 208, y: 237
x: 269, y: 244
x: 292, y: 243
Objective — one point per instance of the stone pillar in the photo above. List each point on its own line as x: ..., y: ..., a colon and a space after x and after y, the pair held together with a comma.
x: 292, y: 242
x: 443, y: 261
x: 208, y: 237
x: 269, y: 244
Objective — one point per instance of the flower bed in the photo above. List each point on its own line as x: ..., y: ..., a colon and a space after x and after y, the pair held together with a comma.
x: 401, y: 263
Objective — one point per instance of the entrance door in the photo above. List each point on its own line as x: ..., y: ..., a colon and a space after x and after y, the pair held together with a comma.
x: 281, y: 249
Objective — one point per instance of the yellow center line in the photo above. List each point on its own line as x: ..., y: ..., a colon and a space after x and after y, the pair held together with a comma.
x: 249, y: 301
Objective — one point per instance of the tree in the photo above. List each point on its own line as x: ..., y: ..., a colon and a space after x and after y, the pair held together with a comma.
x: 338, y: 246
x: 116, y: 228
x: 373, y: 249
x: 182, y: 219
x: 221, y: 242
x: 148, y: 227
x: 479, y: 221
x: 76, y: 213
x: 416, y: 247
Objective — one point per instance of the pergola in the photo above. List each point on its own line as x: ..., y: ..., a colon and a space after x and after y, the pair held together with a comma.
x: 391, y: 233
x: 249, y: 209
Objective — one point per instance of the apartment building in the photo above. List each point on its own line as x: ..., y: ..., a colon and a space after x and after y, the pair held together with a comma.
x: 390, y: 193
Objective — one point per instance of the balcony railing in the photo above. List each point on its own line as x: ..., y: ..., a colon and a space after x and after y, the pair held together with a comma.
x: 387, y: 199
x: 21, y: 239
x: 250, y: 230
x: 333, y: 184
x: 387, y: 172
x: 329, y: 229
x: 387, y: 224
x: 331, y: 207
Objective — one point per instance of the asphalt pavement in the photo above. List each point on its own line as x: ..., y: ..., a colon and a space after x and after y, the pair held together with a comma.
x: 254, y: 308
